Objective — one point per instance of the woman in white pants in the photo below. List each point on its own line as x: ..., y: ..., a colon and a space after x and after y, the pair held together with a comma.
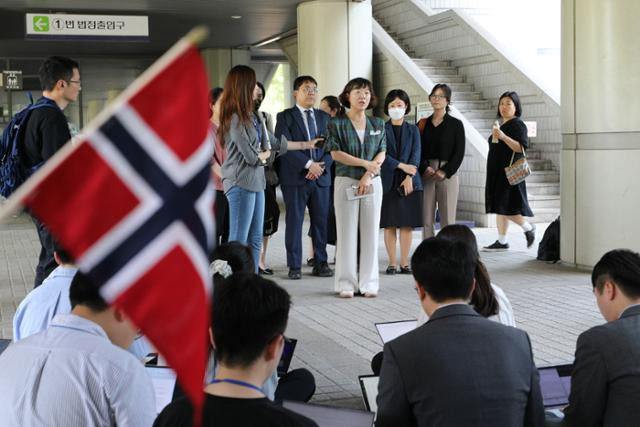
x: 358, y: 146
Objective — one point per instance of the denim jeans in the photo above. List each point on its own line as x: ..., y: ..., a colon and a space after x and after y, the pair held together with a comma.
x: 246, y: 218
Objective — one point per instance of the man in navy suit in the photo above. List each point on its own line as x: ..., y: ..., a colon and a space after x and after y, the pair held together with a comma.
x: 305, y: 178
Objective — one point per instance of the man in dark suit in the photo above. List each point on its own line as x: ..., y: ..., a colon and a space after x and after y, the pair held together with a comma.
x: 458, y: 369
x: 305, y: 178
x: 605, y: 383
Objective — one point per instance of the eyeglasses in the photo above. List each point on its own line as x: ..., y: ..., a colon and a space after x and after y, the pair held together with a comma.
x: 309, y: 90
x: 437, y: 97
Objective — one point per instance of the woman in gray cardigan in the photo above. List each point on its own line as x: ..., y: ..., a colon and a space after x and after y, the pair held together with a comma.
x: 248, y: 146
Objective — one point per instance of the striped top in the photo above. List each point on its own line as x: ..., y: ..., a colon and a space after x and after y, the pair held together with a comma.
x: 72, y: 375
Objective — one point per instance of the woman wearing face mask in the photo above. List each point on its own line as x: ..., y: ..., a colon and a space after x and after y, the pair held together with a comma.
x: 443, y: 142
x: 401, y: 185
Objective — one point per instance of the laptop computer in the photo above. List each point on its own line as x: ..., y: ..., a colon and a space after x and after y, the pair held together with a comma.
x: 164, y: 385
x: 326, y: 416
x: 369, y: 388
x: 555, y: 385
x: 392, y: 330
x: 287, y: 355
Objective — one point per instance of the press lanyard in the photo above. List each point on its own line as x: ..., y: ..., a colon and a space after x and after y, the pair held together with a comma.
x: 238, y: 383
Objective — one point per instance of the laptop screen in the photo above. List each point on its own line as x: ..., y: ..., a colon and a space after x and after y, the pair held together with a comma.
x: 555, y: 385
x: 164, y: 385
x: 326, y: 416
x: 369, y: 387
x: 392, y: 330
x: 287, y: 355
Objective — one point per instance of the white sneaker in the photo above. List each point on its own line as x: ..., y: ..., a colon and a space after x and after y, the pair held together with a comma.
x: 346, y: 294
x: 370, y: 294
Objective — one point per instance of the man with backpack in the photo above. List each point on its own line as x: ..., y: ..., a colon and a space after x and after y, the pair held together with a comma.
x: 46, y: 130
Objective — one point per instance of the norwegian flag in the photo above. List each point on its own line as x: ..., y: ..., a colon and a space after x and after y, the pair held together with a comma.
x: 133, y: 203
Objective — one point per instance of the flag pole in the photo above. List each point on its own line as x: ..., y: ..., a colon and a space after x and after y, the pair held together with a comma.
x: 15, y: 202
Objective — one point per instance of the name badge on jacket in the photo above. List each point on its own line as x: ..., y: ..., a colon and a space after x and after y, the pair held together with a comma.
x: 375, y: 132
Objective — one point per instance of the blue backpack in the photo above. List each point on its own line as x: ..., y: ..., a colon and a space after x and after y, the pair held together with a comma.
x: 12, y: 172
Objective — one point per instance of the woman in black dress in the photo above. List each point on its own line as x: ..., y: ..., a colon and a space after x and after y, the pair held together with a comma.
x: 401, y: 185
x: 508, y: 202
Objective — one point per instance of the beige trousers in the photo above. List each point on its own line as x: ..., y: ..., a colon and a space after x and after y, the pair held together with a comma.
x: 353, y: 215
x: 445, y: 195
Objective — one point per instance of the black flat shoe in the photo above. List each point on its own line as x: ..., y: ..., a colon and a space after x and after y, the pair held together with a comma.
x: 405, y: 270
x: 311, y: 262
x: 266, y: 271
x: 391, y: 270
x: 496, y: 247
x: 530, y: 235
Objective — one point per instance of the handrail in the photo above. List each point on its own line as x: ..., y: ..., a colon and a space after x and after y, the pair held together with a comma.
x: 392, y: 50
x: 494, y: 45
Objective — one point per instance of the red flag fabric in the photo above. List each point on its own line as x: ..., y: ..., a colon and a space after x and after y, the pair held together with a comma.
x: 133, y: 204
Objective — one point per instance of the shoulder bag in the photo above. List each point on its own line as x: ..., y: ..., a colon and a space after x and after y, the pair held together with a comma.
x: 519, y: 170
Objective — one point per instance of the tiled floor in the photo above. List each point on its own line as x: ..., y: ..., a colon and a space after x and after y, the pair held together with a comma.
x: 337, y: 338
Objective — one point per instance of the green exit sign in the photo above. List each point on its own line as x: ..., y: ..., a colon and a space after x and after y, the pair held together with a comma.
x: 41, y: 24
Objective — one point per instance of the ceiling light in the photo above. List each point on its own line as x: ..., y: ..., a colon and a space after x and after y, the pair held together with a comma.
x: 236, y: 16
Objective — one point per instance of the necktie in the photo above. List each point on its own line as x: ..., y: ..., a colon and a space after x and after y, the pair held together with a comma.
x: 313, y: 131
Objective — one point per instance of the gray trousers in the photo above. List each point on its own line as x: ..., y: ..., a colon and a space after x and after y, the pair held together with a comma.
x: 445, y: 195
x: 353, y: 215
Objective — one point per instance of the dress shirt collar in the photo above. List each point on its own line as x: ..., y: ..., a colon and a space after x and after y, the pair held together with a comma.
x: 302, y: 110
x: 63, y: 271
x: 444, y: 119
x: 72, y: 321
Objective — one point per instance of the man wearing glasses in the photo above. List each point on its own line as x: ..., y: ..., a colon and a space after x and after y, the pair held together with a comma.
x: 46, y: 132
x: 305, y: 177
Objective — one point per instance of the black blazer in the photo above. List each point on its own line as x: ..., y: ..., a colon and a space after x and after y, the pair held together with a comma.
x: 605, y: 384
x: 449, y: 146
x: 459, y: 369
x: 292, y: 164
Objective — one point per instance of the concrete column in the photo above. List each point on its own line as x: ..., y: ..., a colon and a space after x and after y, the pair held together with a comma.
x: 289, y: 72
x: 334, y: 42
x: 600, y: 182
x: 220, y: 61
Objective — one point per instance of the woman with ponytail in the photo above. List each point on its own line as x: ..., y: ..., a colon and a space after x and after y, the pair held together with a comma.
x: 487, y: 299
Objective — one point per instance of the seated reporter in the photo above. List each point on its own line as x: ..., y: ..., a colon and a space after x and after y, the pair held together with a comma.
x: 297, y: 384
x: 76, y: 372
x: 605, y: 383
x: 458, y: 369
x: 248, y: 323
x: 43, y: 303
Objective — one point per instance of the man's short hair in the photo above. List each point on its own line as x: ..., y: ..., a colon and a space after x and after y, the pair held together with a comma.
x: 622, y: 267
x: 56, y: 68
x: 84, y: 292
x: 300, y: 80
x: 444, y: 269
x: 62, y: 253
x: 248, y: 312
